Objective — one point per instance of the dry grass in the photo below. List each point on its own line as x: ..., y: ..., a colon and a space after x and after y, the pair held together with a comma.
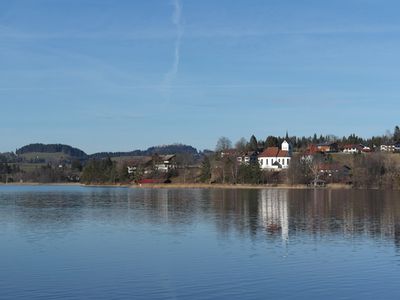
x: 56, y: 156
x: 347, y: 159
x: 28, y: 167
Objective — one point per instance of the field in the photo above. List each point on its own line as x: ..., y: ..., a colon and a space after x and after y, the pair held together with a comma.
x: 343, y: 159
x: 347, y: 159
x: 121, y: 159
x: 48, y: 157
x: 28, y: 167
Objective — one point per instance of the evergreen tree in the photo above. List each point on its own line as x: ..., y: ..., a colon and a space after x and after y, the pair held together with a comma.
x: 321, y: 139
x: 272, y: 141
x: 396, y: 134
x: 205, y: 170
x: 100, y: 171
x: 253, y: 145
x: 315, y: 139
x: 76, y: 165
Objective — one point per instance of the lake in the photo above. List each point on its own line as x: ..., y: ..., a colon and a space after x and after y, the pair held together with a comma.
x: 71, y: 242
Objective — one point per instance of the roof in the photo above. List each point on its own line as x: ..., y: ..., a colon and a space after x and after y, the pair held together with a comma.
x: 167, y: 157
x: 327, y: 144
x: 249, y: 153
x: 311, y: 149
x: 274, y: 152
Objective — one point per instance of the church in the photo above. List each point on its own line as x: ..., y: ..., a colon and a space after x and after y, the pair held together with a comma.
x: 275, y: 158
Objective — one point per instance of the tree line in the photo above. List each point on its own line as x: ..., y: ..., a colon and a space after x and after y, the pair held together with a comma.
x: 298, y: 143
x: 374, y: 170
x: 160, y: 150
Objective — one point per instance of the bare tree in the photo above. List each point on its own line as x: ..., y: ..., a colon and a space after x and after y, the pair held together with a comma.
x: 241, y: 145
x: 223, y: 143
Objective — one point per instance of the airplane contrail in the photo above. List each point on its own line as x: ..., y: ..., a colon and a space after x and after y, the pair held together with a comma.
x: 177, y: 21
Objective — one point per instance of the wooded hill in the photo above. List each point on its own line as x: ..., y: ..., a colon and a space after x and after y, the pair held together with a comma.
x: 160, y: 150
x: 50, y: 149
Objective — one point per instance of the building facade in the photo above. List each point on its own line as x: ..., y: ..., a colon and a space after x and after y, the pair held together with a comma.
x: 275, y: 158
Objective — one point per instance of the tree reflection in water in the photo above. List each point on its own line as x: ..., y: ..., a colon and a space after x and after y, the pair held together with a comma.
x: 272, y: 213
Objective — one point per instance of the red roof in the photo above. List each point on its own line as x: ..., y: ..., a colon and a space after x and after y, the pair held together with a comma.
x: 274, y: 152
x: 312, y: 149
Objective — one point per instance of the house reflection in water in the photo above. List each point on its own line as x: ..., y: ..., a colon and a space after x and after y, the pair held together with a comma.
x: 273, y: 211
x: 317, y: 214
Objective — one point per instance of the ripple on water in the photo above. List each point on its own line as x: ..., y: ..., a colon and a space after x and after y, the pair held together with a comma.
x: 102, y: 243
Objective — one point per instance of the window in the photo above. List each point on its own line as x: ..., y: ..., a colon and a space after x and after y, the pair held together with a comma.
x: 261, y: 161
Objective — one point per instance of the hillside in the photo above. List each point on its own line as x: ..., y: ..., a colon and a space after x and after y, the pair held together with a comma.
x: 44, y: 157
x: 60, y: 149
x: 160, y: 150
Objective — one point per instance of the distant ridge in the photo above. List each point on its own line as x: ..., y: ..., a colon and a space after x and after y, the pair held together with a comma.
x: 161, y: 150
x: 52, y: 148
x: 77, y: 153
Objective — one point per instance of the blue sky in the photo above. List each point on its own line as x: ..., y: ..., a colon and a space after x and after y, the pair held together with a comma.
x: 106, y: 75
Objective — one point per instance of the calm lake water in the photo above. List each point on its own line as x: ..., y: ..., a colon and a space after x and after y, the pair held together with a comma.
x: 118, y: 243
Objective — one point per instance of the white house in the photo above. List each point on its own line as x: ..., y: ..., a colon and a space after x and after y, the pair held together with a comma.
x: 365, y: 148
x: 350, y: 149
x: 135, y: 162
x: 165, y: 163
x: 274, y: 158
x: 390, y: 148
x: 247, y: 157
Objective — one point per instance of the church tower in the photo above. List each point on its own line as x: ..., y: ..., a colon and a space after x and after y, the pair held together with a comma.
x: 285, y: 146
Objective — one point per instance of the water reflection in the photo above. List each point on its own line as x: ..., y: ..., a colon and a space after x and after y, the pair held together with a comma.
x: 273, y: 211
x: 72, y: 242
x: 316, y: 213
x: 267, y: 214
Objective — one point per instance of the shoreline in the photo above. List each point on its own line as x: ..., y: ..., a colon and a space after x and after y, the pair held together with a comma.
x: 238, y: 186
x: 188, y: 186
